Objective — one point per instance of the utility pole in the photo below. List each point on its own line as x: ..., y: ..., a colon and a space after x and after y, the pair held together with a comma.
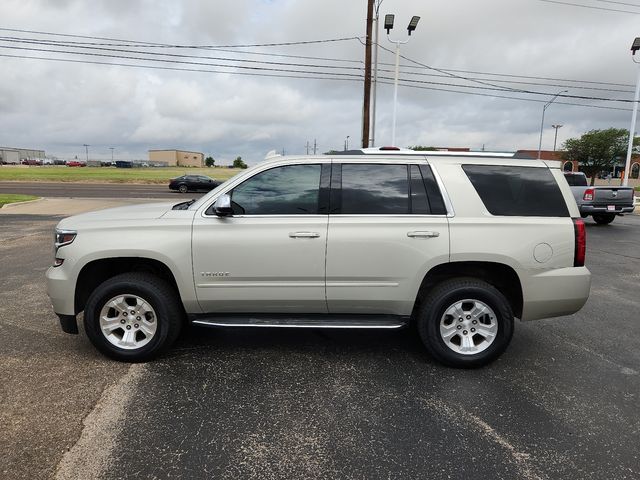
x: 555, y: 138
x: 86, y: 147
x: 315, y: 146
x: 367, y: 77
x: 111, y: 148
x: 307, y: 147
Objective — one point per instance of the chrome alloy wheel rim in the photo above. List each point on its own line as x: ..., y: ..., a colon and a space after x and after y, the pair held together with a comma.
x: 468, y: 327
x: 128, y: 322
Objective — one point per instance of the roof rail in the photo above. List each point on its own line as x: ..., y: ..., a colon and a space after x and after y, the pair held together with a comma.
x: 427, y: 153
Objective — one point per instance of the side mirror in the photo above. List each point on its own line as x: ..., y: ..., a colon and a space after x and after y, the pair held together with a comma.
x: 222, y: 207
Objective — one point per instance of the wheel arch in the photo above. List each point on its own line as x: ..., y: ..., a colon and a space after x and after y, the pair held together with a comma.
x: 501, y: 276
x: 97, y: 271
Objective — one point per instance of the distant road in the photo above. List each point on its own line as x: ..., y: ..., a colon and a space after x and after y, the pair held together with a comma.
x: 94, y: 190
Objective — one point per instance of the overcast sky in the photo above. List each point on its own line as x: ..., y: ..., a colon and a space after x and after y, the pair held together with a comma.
x: 59, y: 106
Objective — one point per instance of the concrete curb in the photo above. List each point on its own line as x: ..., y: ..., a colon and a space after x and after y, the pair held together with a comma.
x: 13, y: 204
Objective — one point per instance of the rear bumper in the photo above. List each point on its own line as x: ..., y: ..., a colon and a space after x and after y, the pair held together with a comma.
x: 554, y: 293
x: 591, y: 209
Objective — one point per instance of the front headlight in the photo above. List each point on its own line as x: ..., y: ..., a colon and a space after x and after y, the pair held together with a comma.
x: 62, y: 238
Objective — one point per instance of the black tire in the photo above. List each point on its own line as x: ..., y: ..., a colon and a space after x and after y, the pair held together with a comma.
x: 446, y: 294
x: 158, y: 294
x: 183, y: 188
x: 603, y: 218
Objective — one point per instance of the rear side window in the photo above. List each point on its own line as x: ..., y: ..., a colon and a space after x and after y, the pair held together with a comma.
x: 375, y: 189
x: 384, y: 189
x: 517, y: 191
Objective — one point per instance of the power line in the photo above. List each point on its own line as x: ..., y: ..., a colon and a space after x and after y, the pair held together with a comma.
x: 604, y: 107
x: 510, y: 75
x: 513, y: 90
x: 244, y: 52
x: 128, y: 57
x: 157, y: 67
x: 620, y: 3
x: 174, y: 55
x: 65, y: 44
x: 163, y: 45
x: 281, y: 75
x: 589, y: 6
x: 285, y: 70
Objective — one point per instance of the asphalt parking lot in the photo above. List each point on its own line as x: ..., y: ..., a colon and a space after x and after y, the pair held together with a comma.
x: 561, y: 403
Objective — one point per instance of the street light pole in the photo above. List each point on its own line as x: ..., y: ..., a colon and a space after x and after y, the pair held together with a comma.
x: 555, y: 138
x: 111, y: 148
x: 544, y: 109
x: 632, y: 130
x: 388, y: 25
x: 375, y: 72
x: 86, y: 147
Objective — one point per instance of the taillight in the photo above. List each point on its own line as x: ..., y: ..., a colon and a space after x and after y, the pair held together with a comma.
x: 588, y: 194
x: 580, y: 241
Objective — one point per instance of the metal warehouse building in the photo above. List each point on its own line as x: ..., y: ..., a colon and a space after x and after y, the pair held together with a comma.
x: 176, y: 158
x: 16, y: 155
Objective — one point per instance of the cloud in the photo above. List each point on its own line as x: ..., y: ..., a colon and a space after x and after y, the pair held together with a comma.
x: 59, y: 106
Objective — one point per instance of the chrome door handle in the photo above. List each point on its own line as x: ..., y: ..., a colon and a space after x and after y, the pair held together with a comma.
x: 423, y: 234
x: 304, y: 235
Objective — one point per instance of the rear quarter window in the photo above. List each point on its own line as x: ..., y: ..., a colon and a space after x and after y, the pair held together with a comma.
x: 517, y: 191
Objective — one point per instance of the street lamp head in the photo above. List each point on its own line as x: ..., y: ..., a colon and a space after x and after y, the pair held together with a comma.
x: 388, y: 22
x: 413, y: 24
x: 636, y: 46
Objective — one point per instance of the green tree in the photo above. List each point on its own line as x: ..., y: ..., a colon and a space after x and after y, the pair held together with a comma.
x: 423, y: 148
x: 209, y: 161
x: 238, y: 163
x: 598, y: 150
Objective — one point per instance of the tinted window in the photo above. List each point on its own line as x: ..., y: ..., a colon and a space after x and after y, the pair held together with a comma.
x: 517, y: 191
x: 284, y: 190
x: 576, y: 180
x: 375, y: 189
x: 433, y: 192
x: 419, y: 201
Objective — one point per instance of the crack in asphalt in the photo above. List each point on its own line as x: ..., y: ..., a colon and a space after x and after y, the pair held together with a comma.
x: 101, y: 428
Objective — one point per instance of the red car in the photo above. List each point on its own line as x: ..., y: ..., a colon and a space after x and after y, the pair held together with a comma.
x: 75, y: 163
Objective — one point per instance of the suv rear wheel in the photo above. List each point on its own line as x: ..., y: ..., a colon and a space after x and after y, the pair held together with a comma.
x: 465, y: 323
x: 133, y: 317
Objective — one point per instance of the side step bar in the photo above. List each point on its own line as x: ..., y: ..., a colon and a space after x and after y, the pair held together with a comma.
x: 306, y: 321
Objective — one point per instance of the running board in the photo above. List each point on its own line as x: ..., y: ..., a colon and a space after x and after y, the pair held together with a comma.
x: 307, y: 321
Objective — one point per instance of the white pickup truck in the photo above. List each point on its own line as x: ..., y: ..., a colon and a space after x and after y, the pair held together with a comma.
x: 601, y: 202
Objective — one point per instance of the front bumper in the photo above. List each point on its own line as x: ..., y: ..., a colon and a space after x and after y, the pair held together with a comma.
x: 554, y: 293
x: 61, y: 290
x: 591, y: 209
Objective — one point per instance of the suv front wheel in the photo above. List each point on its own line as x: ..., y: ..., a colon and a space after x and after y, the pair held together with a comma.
x: 465, y: 323
x: 133, y: 317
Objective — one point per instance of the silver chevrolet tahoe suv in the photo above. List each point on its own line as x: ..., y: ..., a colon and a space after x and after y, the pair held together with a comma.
x: 457, y: 246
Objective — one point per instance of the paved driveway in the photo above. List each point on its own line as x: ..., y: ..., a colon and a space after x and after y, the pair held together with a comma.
x: 561, y: 403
